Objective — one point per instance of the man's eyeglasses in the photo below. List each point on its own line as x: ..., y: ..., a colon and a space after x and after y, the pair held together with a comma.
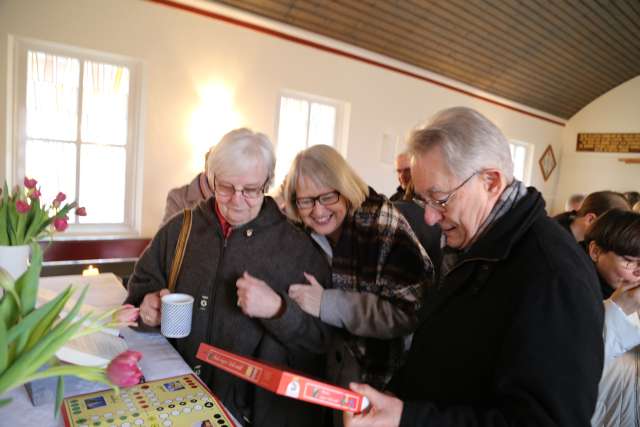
x: 228, y: 190
x: 325, y: 199
x: 441, y: 204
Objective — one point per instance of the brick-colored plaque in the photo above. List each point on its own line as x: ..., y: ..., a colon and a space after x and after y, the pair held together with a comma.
x: 609, y: 142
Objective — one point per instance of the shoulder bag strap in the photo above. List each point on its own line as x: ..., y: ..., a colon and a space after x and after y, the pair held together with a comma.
x: 181, y: 246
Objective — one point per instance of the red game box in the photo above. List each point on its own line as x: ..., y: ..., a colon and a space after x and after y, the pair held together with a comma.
x: 282, y: 382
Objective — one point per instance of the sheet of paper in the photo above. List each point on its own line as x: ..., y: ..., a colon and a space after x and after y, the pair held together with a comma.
x: 96, y: 349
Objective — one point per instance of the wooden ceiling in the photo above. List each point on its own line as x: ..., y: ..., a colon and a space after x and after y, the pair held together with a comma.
x: 554, y: 56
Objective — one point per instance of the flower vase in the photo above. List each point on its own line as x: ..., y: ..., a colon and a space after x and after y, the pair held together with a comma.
x: 14, y: 259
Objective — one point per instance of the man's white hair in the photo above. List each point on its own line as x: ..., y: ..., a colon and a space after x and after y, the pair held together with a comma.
x: 469, y: 142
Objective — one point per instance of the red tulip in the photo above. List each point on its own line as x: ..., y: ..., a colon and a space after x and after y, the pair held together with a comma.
x: 123, y: 370
x: 30, y: 183
x: 35, y: 194
x: 60, y: 197
x: 22, y: 206
x: 60, y: 224
x: 81, y: 211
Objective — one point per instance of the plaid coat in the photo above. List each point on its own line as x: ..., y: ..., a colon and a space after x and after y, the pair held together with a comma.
x: 379, y: 273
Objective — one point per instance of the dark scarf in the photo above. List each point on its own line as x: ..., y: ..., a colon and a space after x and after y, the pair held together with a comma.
x: 511, y: 195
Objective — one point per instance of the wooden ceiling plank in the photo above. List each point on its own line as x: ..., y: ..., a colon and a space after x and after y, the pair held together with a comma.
x: 560, y: 69
x: 608, y: 33
x: 504, y: 59
x: 571, y: 24
x: 409, y: 55
x: 622, y: 16
x: 464, y: 55
x: 563, y: 40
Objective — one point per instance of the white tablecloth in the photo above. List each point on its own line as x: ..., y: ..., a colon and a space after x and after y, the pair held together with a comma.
x: 160, y: 359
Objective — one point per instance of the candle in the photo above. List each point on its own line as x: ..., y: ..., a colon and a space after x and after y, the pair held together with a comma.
x: 90, y: 271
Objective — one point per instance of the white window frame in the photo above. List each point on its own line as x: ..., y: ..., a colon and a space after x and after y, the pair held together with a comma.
x: 528, y: 164
x: 342, y: 116
x: 131, y: 226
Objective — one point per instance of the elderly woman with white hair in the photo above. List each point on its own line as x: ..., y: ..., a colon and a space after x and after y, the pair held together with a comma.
x: 379, y: 271
x: 238, y: 265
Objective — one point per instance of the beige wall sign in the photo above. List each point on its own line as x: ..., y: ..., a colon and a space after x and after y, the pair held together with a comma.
x: 609, y: 142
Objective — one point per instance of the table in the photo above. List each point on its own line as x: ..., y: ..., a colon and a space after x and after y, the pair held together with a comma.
x: 160, y: 359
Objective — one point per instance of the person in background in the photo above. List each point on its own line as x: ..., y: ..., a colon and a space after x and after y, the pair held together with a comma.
x: 412, y: 208
x: 594, y: 205
x: 512, y: 332
x: 632, y: 197
x: 574, y: 202
x: 238, y: 265
x: 403, y: 171
x: 188, y: 195
x: 379, y: 270
x: 613, y: 244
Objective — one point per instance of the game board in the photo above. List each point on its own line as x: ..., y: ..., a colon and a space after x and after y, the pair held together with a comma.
x: 177, y: 401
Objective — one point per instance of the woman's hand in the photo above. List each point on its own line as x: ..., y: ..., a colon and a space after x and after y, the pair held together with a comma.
x: 383, y: 410
x: 150, y: 307
x: 256, y: 298
x: 627, y: 297
x: 309, y: 296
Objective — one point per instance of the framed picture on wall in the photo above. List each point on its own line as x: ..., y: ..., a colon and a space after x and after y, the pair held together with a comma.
x: 547, y: 162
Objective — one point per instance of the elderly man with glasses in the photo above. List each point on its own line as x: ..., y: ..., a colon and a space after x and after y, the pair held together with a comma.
x: 238, y: 264
x: 512, y: 333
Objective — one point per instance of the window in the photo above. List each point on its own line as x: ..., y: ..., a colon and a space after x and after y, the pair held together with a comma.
x: 521, y: 154
x: 76, y: 131
x: 304, y: 121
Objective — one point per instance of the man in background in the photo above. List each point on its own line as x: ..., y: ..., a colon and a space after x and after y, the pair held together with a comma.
x: 403, y: 171
x: 188, y: 195
x: 595, y: 204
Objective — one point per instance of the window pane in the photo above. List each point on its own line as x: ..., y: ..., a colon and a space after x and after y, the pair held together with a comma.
x: 519, y: 155
x: 53, y: 164
x: 322, y: 124
x: 52, y: 96
x: 105, y: 100
x: 102, y: 183
x: 292, y: 133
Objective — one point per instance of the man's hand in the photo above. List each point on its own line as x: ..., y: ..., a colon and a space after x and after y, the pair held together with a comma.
x: 627, y: 297
x: 308, y: 297
x: 150, y: 307
x: 383, y: 411
x: 256, y: 298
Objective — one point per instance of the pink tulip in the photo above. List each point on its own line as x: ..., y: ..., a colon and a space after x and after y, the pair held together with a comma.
x: 127, y: 315
x: 30, y: 183
x: 60, y: 224
x: 60, y: 197
x: 22, y: 206
x: 123, y: 370
x: 35, y: 194
x: 81, y: 211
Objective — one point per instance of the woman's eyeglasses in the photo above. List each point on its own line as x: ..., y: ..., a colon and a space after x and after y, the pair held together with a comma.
x: 325, y: 199
x: 630, y: 264
x: 228, y: 190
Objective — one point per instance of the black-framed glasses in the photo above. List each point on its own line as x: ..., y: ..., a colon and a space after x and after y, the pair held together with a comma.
x: 228, y: 190
x: 325, y: 199
x: 630, y: 264
x: 441, y: 204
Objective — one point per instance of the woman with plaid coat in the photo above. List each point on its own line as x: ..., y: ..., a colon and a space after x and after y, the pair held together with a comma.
x: 379, y: 269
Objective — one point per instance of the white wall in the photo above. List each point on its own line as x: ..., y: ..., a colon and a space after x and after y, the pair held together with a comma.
x: 617, y: 111
x: 182, y: 52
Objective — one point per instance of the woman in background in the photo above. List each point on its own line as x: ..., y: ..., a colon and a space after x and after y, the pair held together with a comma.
x: 379, y: 271
x: 613, y: 243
